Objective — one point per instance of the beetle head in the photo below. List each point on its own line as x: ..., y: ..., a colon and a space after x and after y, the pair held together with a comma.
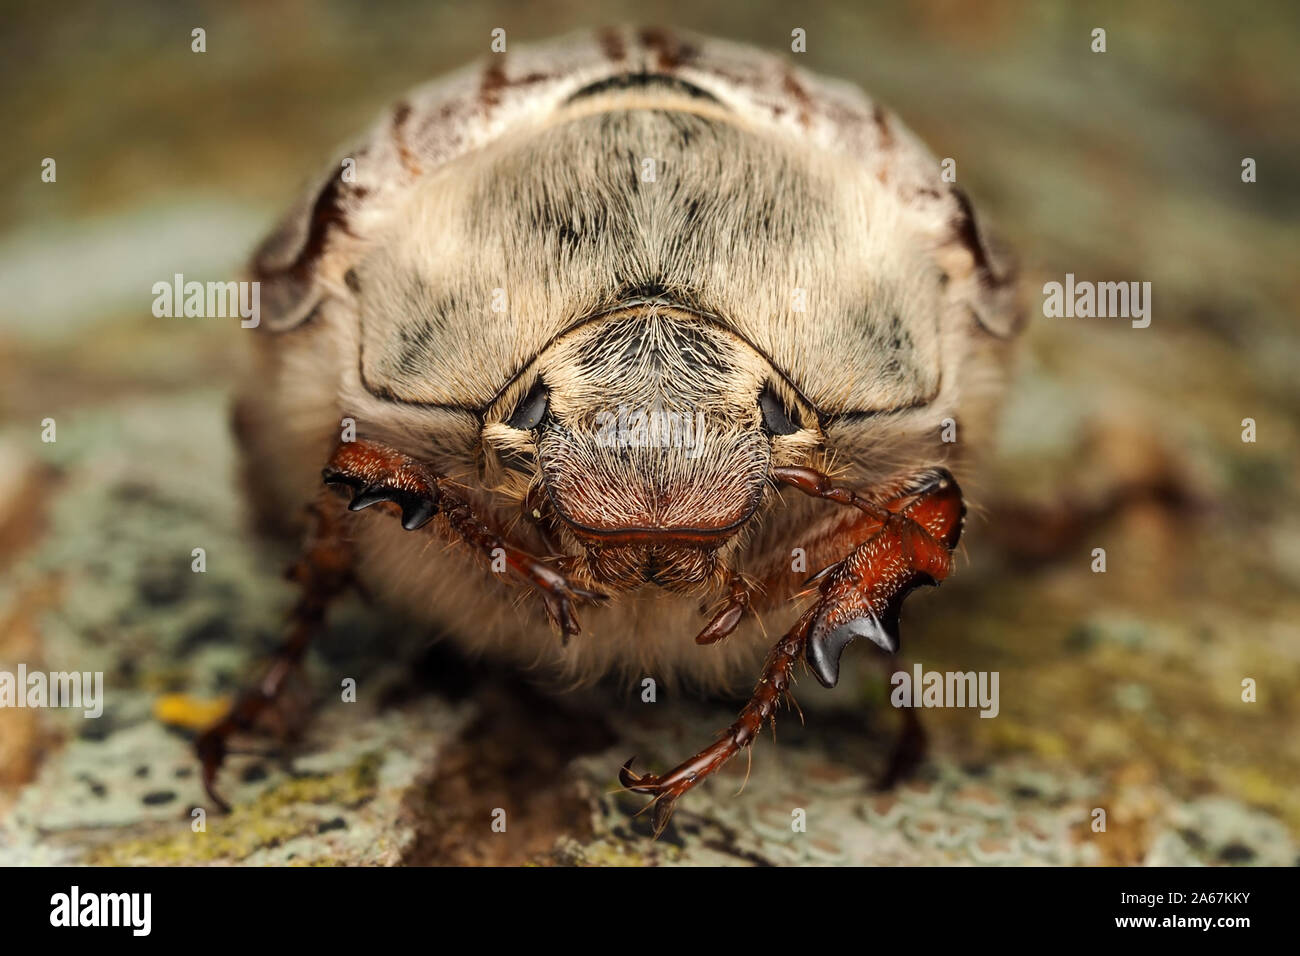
x: 651, y: 431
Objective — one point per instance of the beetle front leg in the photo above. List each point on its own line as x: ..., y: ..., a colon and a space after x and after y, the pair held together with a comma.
x: 906, y: 541
x: 378, y: 474
x: 908, y: 544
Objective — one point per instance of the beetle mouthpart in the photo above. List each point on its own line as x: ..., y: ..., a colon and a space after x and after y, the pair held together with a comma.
x: 674, y: 568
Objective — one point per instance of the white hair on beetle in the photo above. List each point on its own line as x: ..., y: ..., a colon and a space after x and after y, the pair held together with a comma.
x: 501, y: 227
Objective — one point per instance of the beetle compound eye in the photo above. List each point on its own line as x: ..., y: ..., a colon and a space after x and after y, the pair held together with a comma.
x: 532, y: 409
x: 775, y: 418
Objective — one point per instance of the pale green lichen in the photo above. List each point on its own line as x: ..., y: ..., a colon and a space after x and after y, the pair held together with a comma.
x: 282, y: 813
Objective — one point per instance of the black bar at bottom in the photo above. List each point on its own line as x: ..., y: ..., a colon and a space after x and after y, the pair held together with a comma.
x: 616, y: 908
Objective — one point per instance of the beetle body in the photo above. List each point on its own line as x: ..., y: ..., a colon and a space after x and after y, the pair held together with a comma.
x: 608, y: 288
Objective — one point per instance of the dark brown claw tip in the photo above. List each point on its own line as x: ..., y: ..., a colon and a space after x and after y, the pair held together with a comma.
x: 826, y: 645
x: 634, y: 782
x: 560, y: 611
x: 559, y: 601
x: 367, y: 497
x: 416, y: 514
x: 625, y: 775
x: 664, y: 803
x: 417, y: 510
x: 222, y: 805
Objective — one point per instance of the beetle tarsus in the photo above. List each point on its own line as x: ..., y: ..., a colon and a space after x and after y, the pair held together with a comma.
x: 772, y: 687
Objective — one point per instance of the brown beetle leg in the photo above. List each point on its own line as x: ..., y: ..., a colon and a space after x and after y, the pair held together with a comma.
x: 729, y: 616
x: 772, y: 686
x: 323, y: 570
x: 906, y: 541
x: 908, y: 544
x: 375, y: 473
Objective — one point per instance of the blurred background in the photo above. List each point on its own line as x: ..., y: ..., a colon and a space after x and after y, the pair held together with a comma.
x: 1120, y: 691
